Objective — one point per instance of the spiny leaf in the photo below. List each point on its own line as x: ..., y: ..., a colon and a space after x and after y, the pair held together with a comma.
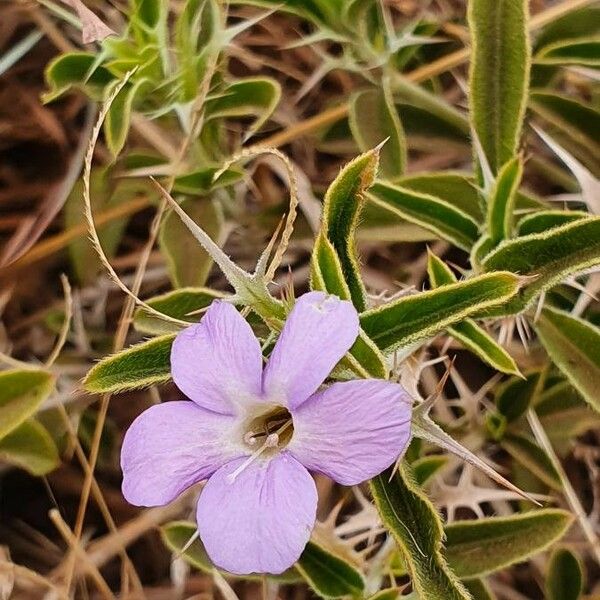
x: 574, y: 346
x: 564, y: 580
x: 499, y: 75
x: 373, y: 119
x: 413, y: 318
x: 432, y: 213
x: 476, y: 548
x: 22, y: 392
x: 30, y: 447
x: 548, y: 257
x: 136, y: 367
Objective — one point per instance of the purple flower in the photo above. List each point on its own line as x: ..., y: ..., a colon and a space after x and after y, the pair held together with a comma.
x: 256, y: 433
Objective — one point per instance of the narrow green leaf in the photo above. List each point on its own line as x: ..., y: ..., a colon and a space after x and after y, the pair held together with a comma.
x: 136, y: 367
x: 79, y: 69
x: 329, y: 575
x: 574, y: 346
x: 116, y: 124
x: 514, y: 397
x: 502, y: 201
x: 412, y: 318
x: 499, y: 75
x: 426, y: 467
x: 373, y: 119
x: 256, y: 96
x: 179, y: 304
x: 341, y: 210
x: 417, y: 529
x: 22, y: 392
x: 527, y: 453
x: 189, y: 264
x: 577, y: 51
x: 432, y: 213
x: 468, y: 333
x: 575, y: 124
x: 539, y: 222
x: 199, y: 182
x: 176, y: 536
x: 564, y: 580
x: 476, y: 548
x: 30, y: 447
x: 549, y: 257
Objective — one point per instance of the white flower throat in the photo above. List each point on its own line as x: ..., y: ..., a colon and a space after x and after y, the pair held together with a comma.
x: 266, y: 434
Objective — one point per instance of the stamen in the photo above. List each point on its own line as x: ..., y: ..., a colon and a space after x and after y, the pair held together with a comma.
x: 250, y: 438
x: 271, y: 441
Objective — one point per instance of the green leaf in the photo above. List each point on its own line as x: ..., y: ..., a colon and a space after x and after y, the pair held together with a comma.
x: 176, y: 536
x: 426, y: 467
x: 576, y: 125
x: 188, y: 263
x: 432, y: 213
x: 413, y: 521
x: 577, y: 51
x: 118, y: 117
x: 76, y: 69
x: 256, y: 96
x: 179, y: 304
x: 574, y: 346
x: 136, y: 367
x: 541, y: 221
x: 502, y: 201
x: 468, y: 333
x: 341, y: 210
x: 412, y: 318
x: 373, y: 119
x: 329, y: 575
x: 581, y: 22
x: 22, y: 392
x: 564, y: 580
x: 31, y: 447
x: 476, y: 548
x: 550, y: 257
x: 499, y: 75
x: 198, y: 183
x: 527, y: 453
x: 514, y: 397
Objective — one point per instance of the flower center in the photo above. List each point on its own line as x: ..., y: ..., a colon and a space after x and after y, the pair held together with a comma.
x: 273, y: 428
x: 266, y: 434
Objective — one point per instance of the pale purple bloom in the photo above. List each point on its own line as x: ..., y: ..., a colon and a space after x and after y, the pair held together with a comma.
x: 255, y: 433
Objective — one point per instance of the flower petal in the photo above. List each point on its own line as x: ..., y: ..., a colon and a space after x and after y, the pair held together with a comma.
x: 218, y: 362
x: 260, y: 521
x: 352, y: 430
x: 170, y: 447
x: 318, y: 332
